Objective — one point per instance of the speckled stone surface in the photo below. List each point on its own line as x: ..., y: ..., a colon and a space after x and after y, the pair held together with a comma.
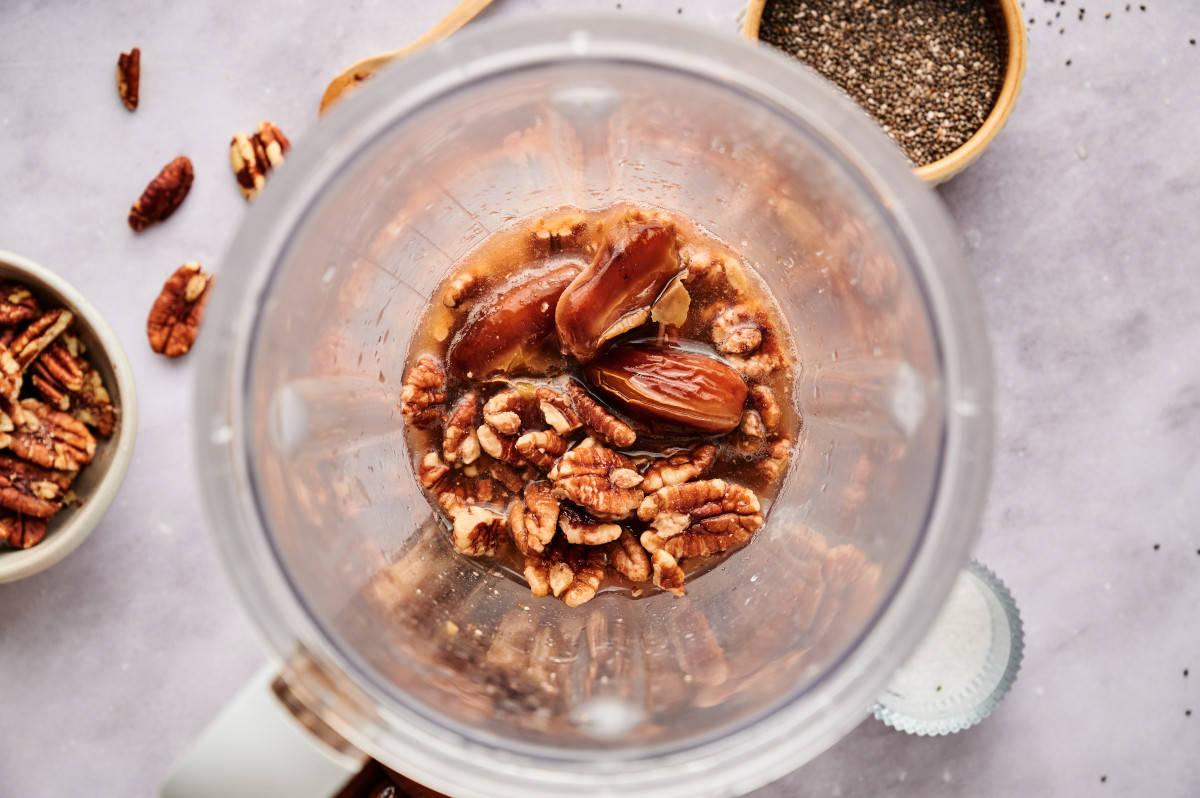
x: 1082, y: 221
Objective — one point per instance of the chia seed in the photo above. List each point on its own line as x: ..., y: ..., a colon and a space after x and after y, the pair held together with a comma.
x: 928, y: 71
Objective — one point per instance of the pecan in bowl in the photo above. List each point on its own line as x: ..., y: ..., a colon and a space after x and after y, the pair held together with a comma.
x: 67, y: 418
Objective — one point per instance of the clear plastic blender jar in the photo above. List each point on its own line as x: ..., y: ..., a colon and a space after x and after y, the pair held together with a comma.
x: 447, y: 669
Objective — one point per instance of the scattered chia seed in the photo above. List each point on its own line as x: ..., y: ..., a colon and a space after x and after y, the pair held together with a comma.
x: 1185, y: 673
x: 928, y: 71
x: 1156, y: 546
x: 1103, y: 779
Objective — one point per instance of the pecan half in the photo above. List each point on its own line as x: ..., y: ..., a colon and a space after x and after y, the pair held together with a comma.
x: 542, y: 447
x: 500, y: 447
x: 57, y: 374
x: 17, y: 304
x: 628, y: 558
x: 163, y: 195
x: 431, y: 470
x: 93, y: 405
x: 572, y: 573
x: 21, y: 531
x: 697, y: 519
x: 459, y: 441
x: 667, y: 573
x: 254, y: 156
x: 601, y: 481
x: 477, y: 531
x: 10, y: 391
x: 40, y: 334
x: 51, y: 438
x: 30, y: 490
x: 424, y: 389
x: 763, y: 399
x: 175, y: 316
x: 602, y: 423
x: 129, y: 77
x: 578, y: 528
x: 557, y: 411
x: 680, y: 467
x: 507, y: 476
x: 532, y: 522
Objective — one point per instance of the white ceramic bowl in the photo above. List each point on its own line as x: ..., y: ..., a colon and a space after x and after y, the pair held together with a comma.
x: 99, y: 481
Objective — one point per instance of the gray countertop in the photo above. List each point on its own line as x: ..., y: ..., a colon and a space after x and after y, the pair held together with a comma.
x: 1082, y: 222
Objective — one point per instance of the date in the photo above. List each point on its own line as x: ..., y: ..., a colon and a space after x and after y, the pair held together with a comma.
x: 670, y: 387
x: 506, y: 335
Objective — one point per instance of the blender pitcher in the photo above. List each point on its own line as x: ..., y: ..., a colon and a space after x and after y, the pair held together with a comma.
x: 445, y: 668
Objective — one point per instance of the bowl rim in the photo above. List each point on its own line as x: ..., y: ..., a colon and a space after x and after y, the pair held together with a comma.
x: 19, y: 563
x: 968, y: 152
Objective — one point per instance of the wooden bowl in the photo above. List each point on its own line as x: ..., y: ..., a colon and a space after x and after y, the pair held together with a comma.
x: 1006, y: 16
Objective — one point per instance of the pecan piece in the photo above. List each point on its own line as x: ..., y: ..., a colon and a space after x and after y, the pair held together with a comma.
x: 604, y: 424
x: 532, y: 522
x: 500, y: 447
x: 175, y: 316
x: 17, y: 304
x: 424, y: 389
x: 477, y: 531
x: 764, y: 401
x: 431, y: 470
x: 778, y: 454
x: 40, y: 334
x: 557, y: 411
x: 542, y: 448
x: 51, y: 438
x: 129, y: 77
x: 752, y: 425
x: 572, y: 573
x: 667, y: 574
x: 601, y: 481
x: 628, y: 558
x: 30, y: 490
x: 697, y: 519
x: 163, y: 195
x: 254, y: 156
x: 579, y: 529
x: 738, y: 330
x: 459, y: 441
x: 20, y: 531
x: 510, y: 410
x: 93, y: 405
x: 679, y: 467
x: 459, y: 288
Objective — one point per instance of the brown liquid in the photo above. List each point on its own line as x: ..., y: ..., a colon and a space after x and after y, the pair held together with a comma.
x: 535, y: 247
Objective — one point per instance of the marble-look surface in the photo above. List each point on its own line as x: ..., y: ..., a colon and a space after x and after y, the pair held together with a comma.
x: 1082, y: 221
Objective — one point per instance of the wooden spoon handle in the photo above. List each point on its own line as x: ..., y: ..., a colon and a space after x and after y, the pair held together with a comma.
x: 359, y: 71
